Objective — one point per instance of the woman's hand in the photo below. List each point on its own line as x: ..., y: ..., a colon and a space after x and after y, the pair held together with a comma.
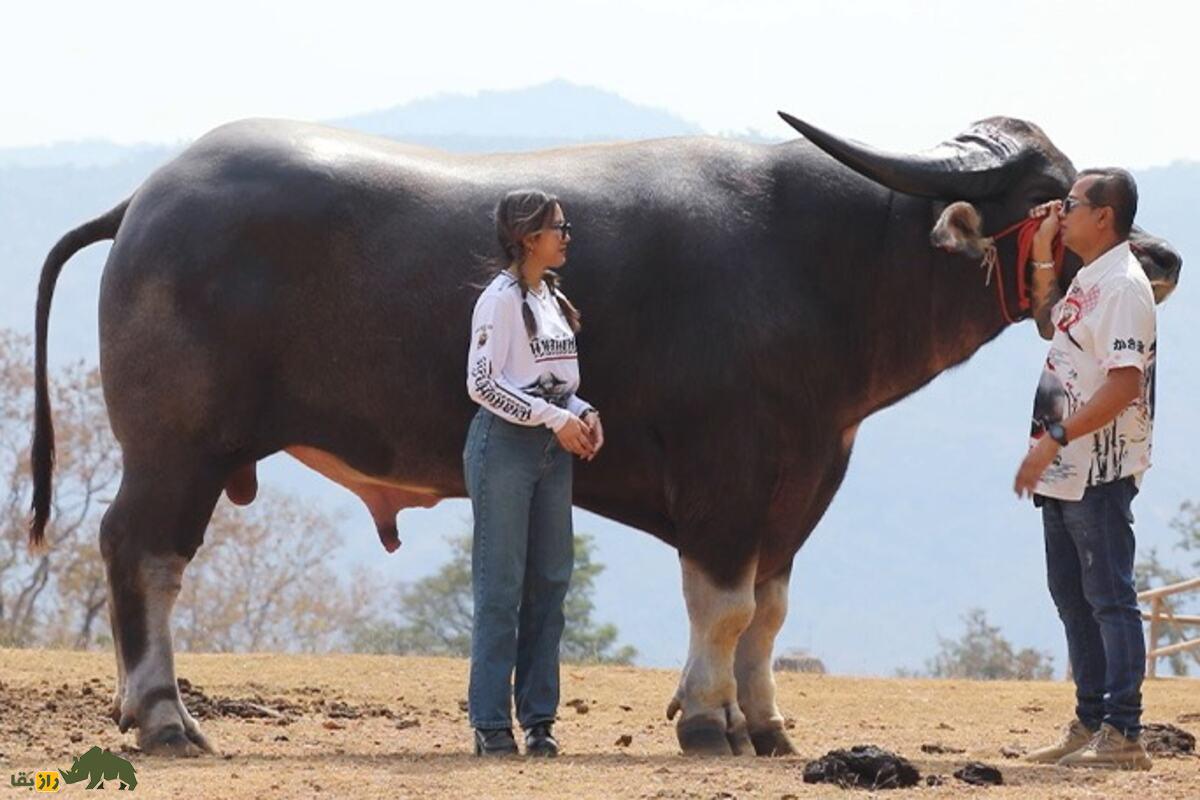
x: 574, y: 437
x: 595, y: 432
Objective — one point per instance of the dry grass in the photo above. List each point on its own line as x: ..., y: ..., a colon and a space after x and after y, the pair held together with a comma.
x: 52, y: 707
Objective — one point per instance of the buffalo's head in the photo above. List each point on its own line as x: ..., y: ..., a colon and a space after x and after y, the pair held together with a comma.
x: 991, y: 175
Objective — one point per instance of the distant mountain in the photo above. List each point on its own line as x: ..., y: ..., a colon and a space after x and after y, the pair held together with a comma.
x: 552, y: 113
x: 86, y: 153
x: 925, y: 525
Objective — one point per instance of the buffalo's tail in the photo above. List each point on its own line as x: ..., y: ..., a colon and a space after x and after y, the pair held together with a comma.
x: 41, y: 456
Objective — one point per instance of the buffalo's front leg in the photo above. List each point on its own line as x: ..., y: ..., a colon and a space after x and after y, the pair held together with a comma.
x: 712, y: 722
x: 752, y: 667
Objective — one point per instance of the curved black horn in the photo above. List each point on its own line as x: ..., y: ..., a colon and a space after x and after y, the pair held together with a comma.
x: 971, y: 166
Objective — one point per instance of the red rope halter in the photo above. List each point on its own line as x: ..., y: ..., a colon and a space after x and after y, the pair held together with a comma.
x: 1025, y: 230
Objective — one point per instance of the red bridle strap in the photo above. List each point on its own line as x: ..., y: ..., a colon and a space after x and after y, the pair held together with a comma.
x: 1025, y: 230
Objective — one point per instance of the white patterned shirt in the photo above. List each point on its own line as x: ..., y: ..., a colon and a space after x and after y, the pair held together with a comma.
x: 1105, y: 321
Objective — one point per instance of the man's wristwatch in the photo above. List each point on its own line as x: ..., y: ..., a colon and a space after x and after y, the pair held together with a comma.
x: 587, y: 411
x: 1057, y: 432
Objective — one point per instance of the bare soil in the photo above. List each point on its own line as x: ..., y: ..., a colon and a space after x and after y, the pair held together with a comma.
x: 382, y: 726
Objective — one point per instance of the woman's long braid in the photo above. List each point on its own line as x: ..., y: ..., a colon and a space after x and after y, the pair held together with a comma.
x: 568, y: 308
x: 526, y: 311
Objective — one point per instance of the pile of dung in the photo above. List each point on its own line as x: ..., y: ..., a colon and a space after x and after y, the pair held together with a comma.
x: 863, y: 766
x: 977, y: 773
x: 1162, y: 739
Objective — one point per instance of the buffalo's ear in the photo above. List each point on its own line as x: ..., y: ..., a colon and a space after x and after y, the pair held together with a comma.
x: 959, y: 230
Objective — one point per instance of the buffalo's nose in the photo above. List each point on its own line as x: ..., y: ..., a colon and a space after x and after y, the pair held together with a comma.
x: 1166, y: 257
x: 1174, y: 261
x: 1162, y: 263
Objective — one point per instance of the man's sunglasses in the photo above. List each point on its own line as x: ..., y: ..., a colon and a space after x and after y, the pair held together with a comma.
x: 1069, y: 204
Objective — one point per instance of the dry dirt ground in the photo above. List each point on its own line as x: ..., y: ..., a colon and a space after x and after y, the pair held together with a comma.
x: 381, y: 726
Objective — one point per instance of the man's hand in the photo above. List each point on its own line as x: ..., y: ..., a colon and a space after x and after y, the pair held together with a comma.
x: 1043, y: 240
x: 595, y: 433
x: 1035, y: 463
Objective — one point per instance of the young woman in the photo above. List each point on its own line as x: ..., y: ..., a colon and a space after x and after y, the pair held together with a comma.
x: 522, y: 371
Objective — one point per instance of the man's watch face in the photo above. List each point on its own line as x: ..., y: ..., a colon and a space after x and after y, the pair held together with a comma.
x: 1057, y: 432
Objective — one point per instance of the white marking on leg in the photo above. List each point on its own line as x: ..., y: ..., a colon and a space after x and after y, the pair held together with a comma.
x: 752, y: 664
x: 119, y: 694
x: 160, y: 578
x: 718, y: 615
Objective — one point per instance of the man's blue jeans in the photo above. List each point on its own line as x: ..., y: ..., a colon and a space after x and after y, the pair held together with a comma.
x: 1089, y: 563
x: 519, y: 479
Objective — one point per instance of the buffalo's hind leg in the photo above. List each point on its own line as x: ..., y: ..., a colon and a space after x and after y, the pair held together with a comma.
x: 147, y: 536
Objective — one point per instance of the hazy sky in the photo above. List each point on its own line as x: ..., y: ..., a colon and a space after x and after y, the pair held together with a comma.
x: 1111, y: 82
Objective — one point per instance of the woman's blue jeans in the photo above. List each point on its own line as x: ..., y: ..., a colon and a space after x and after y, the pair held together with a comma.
x: 1089, y: 562
x: 519, y: 479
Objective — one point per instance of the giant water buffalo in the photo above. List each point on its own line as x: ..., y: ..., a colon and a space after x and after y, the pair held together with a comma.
x: 289, y: 286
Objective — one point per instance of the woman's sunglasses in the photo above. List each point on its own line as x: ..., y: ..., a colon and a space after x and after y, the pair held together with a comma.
x: 563, y: 228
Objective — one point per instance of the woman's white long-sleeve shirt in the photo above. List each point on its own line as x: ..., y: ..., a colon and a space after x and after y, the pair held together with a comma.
x: 529, y: 381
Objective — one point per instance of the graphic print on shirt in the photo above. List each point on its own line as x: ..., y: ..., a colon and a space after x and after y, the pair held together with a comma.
x: 1052, y: 403
x: 494, y: 394
x: 1109, y: 448
x: 545, y: 348
x: 550, y: 388
x: 1075, y: 306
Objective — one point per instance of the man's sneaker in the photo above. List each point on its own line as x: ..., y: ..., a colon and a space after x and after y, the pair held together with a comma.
x: 1075, y: 736
x: 1109, y: 749
x: 539, y: 741
x: 498, y: 742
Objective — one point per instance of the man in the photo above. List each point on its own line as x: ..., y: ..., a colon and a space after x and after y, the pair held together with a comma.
x: 1093, y: 416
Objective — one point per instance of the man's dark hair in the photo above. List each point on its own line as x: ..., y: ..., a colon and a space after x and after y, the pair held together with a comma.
x: 1114, y: 187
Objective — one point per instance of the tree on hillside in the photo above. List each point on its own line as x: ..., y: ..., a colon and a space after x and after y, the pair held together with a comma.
x: 435, y: 613
x: 261, y: 581
x: 1152, y: 573
x: 264, y: 580
x: 57, y: 597
x: 982, y: 653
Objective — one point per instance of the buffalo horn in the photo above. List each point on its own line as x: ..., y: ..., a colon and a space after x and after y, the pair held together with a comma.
x: 971, y: 166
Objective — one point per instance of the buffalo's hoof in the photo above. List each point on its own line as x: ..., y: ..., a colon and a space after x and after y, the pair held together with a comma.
x: 173, y: 741
x: 704, y: 736
x: 199, y: 739
x: 114, y: 710
x: 739, y: 740
x: 772, y: 742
